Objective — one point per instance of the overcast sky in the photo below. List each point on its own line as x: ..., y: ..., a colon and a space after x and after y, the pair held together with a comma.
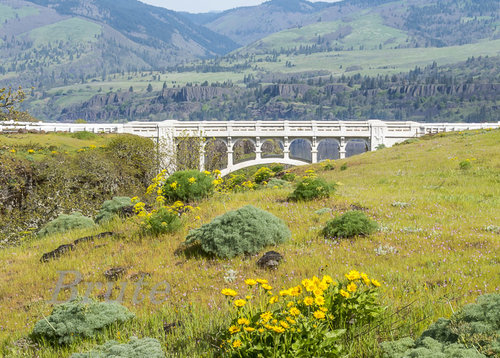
x: 196, y: 6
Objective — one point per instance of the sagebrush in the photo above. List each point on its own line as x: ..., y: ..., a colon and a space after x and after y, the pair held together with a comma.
x: 243, y: 231
x: 112, y: 208
x: 79, y: 318
x: 64, y: 223
x: 135, y: 348
x: 188, y: 186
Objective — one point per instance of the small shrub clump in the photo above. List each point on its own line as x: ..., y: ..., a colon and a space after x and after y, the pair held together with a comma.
x: 135, y: 348
x: 465, y: 164
x: 328, y: 164
x: 263, y: 174
x: 290, y: 177
x: 243, y: 231
x: 277, y: 183
x: 79, y: 318
x: 474, y: 331
x: 353, y: 223
x: 111, y: 208
x: 313, y: 319
x: 188, y: 186
x: 164, y: 220
x: 64, y: 223
x: 311, y: 187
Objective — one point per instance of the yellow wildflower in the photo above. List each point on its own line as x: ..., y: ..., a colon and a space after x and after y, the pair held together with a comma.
x: 294, y: 311
x: 308, y: 301
x: 192, y: 180
x: 250, y: 282
x: 319, y: 315
x: 266, y: 316
x: 291, y: 320
x: 267, y: 287
x: 376, y: 283
x: 239, y: 303
x: 234, y: 329
x: 365, y: 278
x: 273, y: 299
x: 249, y: 329
x: 243, y: 321
x: 228, y: 292
x: 174, y: 185
x: 261, y: 281
x: 318, y: 292
x: 319, y: 300
x: 353, y: 275
x: 284, y: 324
x: 345, y: 294
x: 237, y: 343
x: 352, y: 287
x: 278, y: 329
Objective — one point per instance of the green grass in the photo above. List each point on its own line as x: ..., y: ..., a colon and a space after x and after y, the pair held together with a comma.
x: 445, y: 258
x: 45, y: 144
x: 8, y: 13
x: 366, y: 30
x: 73, y: 30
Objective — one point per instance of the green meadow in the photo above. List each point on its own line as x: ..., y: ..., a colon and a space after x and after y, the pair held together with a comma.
x: 436, y: 249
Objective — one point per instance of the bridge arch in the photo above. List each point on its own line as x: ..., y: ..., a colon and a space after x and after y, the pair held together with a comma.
x: 244, y: 149
x: 356, y: 146
x: 301, y: 149
x: 328, y: 148
x: 251, y: 163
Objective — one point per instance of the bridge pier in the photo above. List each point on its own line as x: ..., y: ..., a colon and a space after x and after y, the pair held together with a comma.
x: 342, y: 148
x: 258, y: 149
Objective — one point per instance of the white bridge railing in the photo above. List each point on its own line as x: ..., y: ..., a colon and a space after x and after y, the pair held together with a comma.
x: 373, y: 132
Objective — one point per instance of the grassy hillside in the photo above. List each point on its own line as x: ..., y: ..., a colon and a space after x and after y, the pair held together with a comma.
x: 437, y: 250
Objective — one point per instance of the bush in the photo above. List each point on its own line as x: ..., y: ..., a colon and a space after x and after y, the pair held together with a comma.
x: 465, y: 164
x: 289, y: 177
x: 137, y: 156
x: 474, y: 331
x: 277, y: 168
x: 263, y: 174
x: 312, y: 188
x: 84, y: 135
x: 277, y: 183
x: 162, y: 221
x: 111, y: 208
x: 188, y: 186
x: 343, y: 167
x: 243, y: 231
x: 312, y: 319
x: 234, y: 181
x: 78, y: 319
x: 353, y: 223
x: 135, y: 348
x: 328, y: 164
x: 65, y: 223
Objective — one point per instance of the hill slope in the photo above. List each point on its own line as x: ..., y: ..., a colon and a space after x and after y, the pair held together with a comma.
x: 47, y: 42
x: 436, y: 251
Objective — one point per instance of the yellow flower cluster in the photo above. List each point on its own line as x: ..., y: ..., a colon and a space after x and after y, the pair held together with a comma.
x: 292, y: 310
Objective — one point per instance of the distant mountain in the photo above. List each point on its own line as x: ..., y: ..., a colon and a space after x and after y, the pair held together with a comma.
x: 47, y: 42
x: 432, y: 22
x: 245, y: 25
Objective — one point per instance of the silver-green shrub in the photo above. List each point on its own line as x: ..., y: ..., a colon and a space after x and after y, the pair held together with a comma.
x: 111, y: 208
x: 65, y: 223
x: 243, y: 231
x: 78, y: 319
x: 135, y: 348
x: 474, y: 331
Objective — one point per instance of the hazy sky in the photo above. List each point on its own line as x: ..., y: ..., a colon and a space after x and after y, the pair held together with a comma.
x: 196, y: 6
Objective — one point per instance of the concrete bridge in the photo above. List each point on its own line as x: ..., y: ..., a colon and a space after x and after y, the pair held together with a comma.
x: 314, y: 136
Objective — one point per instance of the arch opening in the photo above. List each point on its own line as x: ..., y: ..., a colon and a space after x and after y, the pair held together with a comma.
x: 328, y: 149
x: 356, y: 146
x: 301, y: 149
x: 272, y: 148
x: 243, y: 151
x: 188, y: 152
x: 215, y: 154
